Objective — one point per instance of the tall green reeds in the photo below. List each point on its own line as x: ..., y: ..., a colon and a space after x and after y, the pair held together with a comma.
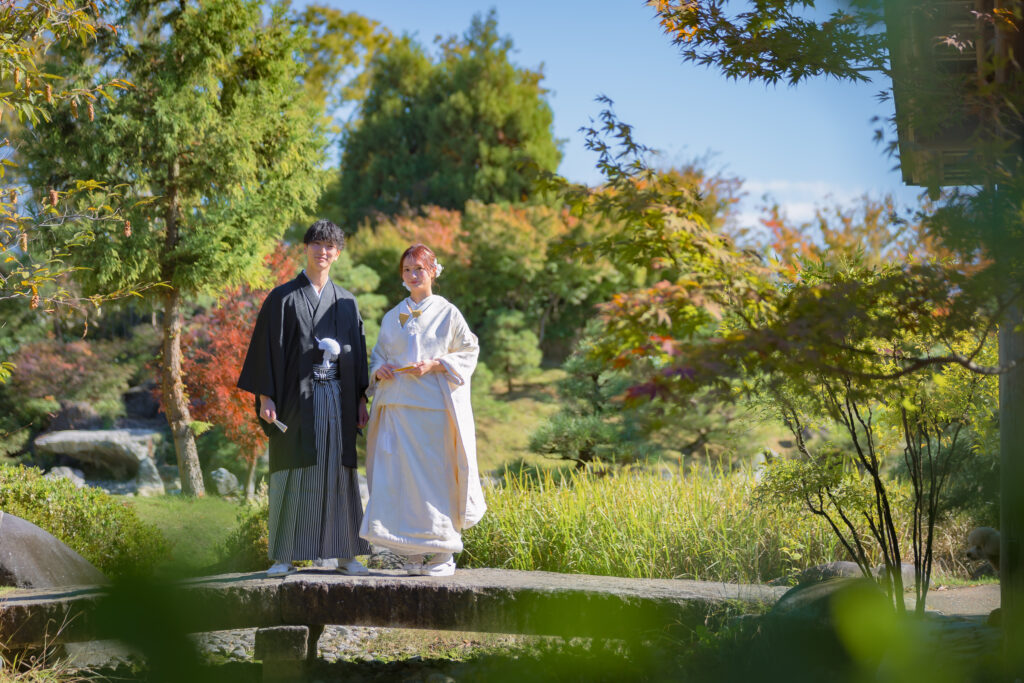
x: 696, y: 525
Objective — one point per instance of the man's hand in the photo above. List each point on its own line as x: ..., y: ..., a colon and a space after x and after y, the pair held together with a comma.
x: 268, y: 411
x: 364, y: 416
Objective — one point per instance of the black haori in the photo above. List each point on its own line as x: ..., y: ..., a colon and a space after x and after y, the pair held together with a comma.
x: 315, y: 511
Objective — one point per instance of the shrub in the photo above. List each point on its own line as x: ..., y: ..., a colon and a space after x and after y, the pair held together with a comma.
x: 107, y: 533
x: 47, y: 371
x: 245, y: 550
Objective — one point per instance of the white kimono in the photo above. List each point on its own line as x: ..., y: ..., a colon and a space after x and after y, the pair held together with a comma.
x: 421, y: 442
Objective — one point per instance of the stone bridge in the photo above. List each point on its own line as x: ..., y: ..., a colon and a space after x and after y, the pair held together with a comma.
x: 490, y: 600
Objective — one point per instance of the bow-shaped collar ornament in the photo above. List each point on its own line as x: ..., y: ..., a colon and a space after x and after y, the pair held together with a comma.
x: 402, y: 317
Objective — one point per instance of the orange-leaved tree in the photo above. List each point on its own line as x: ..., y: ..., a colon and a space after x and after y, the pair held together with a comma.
x: 215, y: 344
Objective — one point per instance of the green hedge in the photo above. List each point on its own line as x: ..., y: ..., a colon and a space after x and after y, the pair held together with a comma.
x: 107, y: 533
x: 245, y: 550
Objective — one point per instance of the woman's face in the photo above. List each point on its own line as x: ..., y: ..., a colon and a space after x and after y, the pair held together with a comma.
x: 416, y: 275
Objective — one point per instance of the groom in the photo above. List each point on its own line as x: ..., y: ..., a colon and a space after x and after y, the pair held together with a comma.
x: 311, y: 403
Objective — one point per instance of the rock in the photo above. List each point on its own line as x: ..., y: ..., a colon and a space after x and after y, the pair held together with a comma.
x: 813, y: 602
x: 829, y: 570
x: 76, y: 415
x: 73, y: 475
x: 799, y: 635
x: 382, y: 558
x: 33, y: 558
x: 117, y: 451
x: 225, y: 482
x: 148, y: 479
x: 983, y: 571
x: 277, y: 643
x: 98, y: 653
x: 849, y: 570
x: 124, y: 453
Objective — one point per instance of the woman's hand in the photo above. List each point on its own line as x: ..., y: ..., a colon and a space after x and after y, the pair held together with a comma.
x: 386, y: 371
x: 424, y: 367
x: 268, y: 410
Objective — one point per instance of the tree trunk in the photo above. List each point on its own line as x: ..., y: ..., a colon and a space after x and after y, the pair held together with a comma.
x: 174, y: 399
x: 175, y: 403
x: 1011, y: 498
x: 250, y: 480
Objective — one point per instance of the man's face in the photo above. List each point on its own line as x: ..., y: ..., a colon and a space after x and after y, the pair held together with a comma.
x: 320, y: 255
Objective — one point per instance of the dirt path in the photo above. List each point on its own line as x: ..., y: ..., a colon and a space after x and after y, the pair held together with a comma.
x: 966, y: 601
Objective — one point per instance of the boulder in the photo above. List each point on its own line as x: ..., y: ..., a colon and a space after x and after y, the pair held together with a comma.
x: 829, y: 570
x: 225, y: 482
x: 148, y: 479
x: 33, y: 558
x: 813, y: 603
x: 848, y: 570
x: 75, y: 476
x: 124, y: 453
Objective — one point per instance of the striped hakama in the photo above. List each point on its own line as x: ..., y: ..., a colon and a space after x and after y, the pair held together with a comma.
x: 315, y: 512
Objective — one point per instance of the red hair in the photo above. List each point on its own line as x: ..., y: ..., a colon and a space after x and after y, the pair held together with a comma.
x: 421, y: 254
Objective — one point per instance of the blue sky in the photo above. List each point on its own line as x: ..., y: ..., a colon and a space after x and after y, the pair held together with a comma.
x: 800, y: 145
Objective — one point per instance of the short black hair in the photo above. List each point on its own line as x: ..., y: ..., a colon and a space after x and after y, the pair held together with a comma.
x: 325, y: 231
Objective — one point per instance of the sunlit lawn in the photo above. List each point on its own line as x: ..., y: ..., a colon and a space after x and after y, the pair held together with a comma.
x: 196, y: 527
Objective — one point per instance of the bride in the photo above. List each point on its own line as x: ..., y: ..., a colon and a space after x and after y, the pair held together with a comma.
x: 421, y: 442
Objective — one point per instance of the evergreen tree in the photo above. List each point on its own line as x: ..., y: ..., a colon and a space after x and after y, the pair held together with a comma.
x: 217, y: 145
x: 465, y: 127
x: 512, y: 348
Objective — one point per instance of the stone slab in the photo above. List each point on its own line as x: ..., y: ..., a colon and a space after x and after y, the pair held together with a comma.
x: 493, y: 600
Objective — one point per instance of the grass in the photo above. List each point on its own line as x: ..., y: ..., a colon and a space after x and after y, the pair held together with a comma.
x: 195, y: 527
x: 698, y: 525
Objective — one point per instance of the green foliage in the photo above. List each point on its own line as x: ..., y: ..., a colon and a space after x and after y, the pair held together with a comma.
x: 834, y: 342
x: 776, y: 41
x: 528, y: 253
x: 484, y: 402
x: 220, y: 151
x: 51, y: 371
x: 363, y: 281
x: 580, y: 438
x: 511, y: 348
x: 594, y: 423
x: 465, y: 127
x: 590, y: 427
x: 246, y: 548
x: 219, y: 112
x: 341, y: 46
x: 34, y: 274
x: 105, y: 532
